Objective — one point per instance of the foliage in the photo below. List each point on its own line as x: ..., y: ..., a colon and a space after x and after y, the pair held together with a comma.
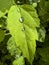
x: 24, y: 33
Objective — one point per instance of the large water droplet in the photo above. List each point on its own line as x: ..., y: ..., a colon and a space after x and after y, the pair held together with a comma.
x: 21, y: 19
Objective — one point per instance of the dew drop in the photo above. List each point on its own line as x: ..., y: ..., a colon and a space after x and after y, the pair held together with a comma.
x: 21, y: 19
x: 19, y: 2
x: 23, y: 29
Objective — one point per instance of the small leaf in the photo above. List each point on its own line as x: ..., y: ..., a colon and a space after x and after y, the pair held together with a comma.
x: 13, y: 49
x: 41, y: 34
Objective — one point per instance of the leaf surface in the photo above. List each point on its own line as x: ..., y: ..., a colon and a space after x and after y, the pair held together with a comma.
x: 15, y: 28
x: 24, y: 34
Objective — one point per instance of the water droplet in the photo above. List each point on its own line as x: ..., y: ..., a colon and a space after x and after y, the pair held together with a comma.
x: 23, y: 29
x: 19, y: 2
x: 21, y: 19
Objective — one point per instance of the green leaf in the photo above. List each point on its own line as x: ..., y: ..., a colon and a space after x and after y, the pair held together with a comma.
x: 5, y: 5
x: 13, y: 49
x: 2, y: 35
x: 15, y: 28
x: 19, y: 61
x: 41, y: 34
x: 24, y: 34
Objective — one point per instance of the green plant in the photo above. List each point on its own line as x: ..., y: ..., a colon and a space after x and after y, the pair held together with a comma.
x: 20, y: 30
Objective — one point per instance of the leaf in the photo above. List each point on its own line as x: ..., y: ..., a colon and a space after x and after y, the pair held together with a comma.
x: 2, y: 35
x: 13, y: 49
x: 5, y: 5
x: 15, y: 28
x: 19, y: 61
x: 41, y: 34
x: 24, y: 35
